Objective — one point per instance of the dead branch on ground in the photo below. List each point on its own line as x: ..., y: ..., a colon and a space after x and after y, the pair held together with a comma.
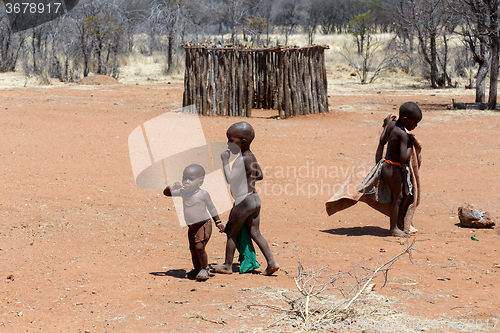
x: 328, y: 296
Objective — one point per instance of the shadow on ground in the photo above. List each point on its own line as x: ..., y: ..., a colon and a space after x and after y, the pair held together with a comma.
x: 178, y: 273
x: 359, y: 231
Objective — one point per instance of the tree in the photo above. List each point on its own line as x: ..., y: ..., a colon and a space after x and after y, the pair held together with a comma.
x: 432, y: 22
x: 365, y: 62
x: 104, y: 34
x: 264, y: 10
x: 65, y: 59
x: 361, y: 27
x: 481, y: 30
x: 167, y: 18
x: 288, y: 15
x: 235, y: 14
x: 476, y: 40
x: 256, y: 26
x: 10, y: 45
x: 311, y: 18
x: 335, y: 14
x: 100, y: 34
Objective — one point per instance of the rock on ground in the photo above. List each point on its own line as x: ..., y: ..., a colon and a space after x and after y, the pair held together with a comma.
x: 474, y: 218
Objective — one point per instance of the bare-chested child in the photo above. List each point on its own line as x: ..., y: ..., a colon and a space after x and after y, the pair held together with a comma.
x: 246, y: 210
x: 196, y: 202
x: 399, y: 146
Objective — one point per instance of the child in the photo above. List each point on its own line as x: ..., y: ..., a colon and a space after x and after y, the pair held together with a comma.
x: 246, y: 209
x: 196, y: 202
x: 393, y: 170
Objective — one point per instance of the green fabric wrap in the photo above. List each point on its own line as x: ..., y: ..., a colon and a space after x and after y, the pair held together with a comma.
x: 247, y: 257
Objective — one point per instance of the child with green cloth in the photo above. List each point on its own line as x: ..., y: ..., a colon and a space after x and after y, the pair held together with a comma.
x: 246, y: 209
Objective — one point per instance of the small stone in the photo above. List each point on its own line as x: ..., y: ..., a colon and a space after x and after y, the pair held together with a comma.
x: 353, y: 74
x: 10, y: 277
x: 474, y: 218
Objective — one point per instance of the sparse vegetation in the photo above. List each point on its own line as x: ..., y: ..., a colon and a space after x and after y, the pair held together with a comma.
x: 326, y: 298
x: 428, y: 39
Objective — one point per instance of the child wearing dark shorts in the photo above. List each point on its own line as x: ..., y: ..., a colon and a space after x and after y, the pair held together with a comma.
x: 198, y: 208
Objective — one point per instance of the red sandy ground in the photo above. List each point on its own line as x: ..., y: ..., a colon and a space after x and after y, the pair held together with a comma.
x: 84, y: 249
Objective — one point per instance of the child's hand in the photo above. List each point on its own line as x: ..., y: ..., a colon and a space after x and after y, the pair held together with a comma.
x: 221, y: 227
x: 225, y: 155
x: 175, y: 186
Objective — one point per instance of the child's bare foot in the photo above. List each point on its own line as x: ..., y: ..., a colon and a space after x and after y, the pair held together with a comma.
x: 396, y: 232
x: 202, y: 275
x: 412, y: 230
x: 222, y: 268
x: 271, y: 269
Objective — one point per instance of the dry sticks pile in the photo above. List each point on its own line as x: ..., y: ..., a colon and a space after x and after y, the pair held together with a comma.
x: 327, y: 297
x: 230, y: 81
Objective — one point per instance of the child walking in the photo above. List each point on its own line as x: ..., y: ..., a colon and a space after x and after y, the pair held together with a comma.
x: 392, y: 174
x: 246, y: 209
x: 198, y: 208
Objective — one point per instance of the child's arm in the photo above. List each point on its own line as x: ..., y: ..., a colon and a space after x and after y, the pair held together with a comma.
x: 173, y: 190
x: 381, y: 144
x: 212, y: 210
x: 225, y: 164
x: 238, y: 167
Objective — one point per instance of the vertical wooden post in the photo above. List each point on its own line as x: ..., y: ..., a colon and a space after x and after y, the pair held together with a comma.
x: 281, y: 80
x: 325, y: 80
x: 185, y: 95
x: 232, y: 81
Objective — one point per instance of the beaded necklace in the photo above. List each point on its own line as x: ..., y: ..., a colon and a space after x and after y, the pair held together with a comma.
x: 401, y: 126
x: 190, y: 196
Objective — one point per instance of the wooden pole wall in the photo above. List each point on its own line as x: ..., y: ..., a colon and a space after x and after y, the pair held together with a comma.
x: 233, y: 81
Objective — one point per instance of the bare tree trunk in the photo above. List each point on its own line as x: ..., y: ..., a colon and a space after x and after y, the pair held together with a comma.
x: 99, y: 57
x: 492, y: 100
x: 169, y: 50
x: 444, y: 63
x: 482, y: 72
x: 83, y: 37
x: 433, y: 63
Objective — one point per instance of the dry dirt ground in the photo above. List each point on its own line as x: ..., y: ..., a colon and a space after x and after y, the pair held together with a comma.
x: 83, y: 249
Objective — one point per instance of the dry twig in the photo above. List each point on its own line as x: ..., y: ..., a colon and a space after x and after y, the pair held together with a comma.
x: 318, y: 303
x: 220, y: 322
x: 385, y: 267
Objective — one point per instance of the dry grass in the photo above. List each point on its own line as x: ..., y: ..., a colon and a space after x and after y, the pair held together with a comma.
x: 141, y: 68
x: 372, y: 312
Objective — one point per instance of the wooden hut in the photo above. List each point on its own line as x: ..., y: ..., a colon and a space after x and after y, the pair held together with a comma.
x: 230, y: 81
